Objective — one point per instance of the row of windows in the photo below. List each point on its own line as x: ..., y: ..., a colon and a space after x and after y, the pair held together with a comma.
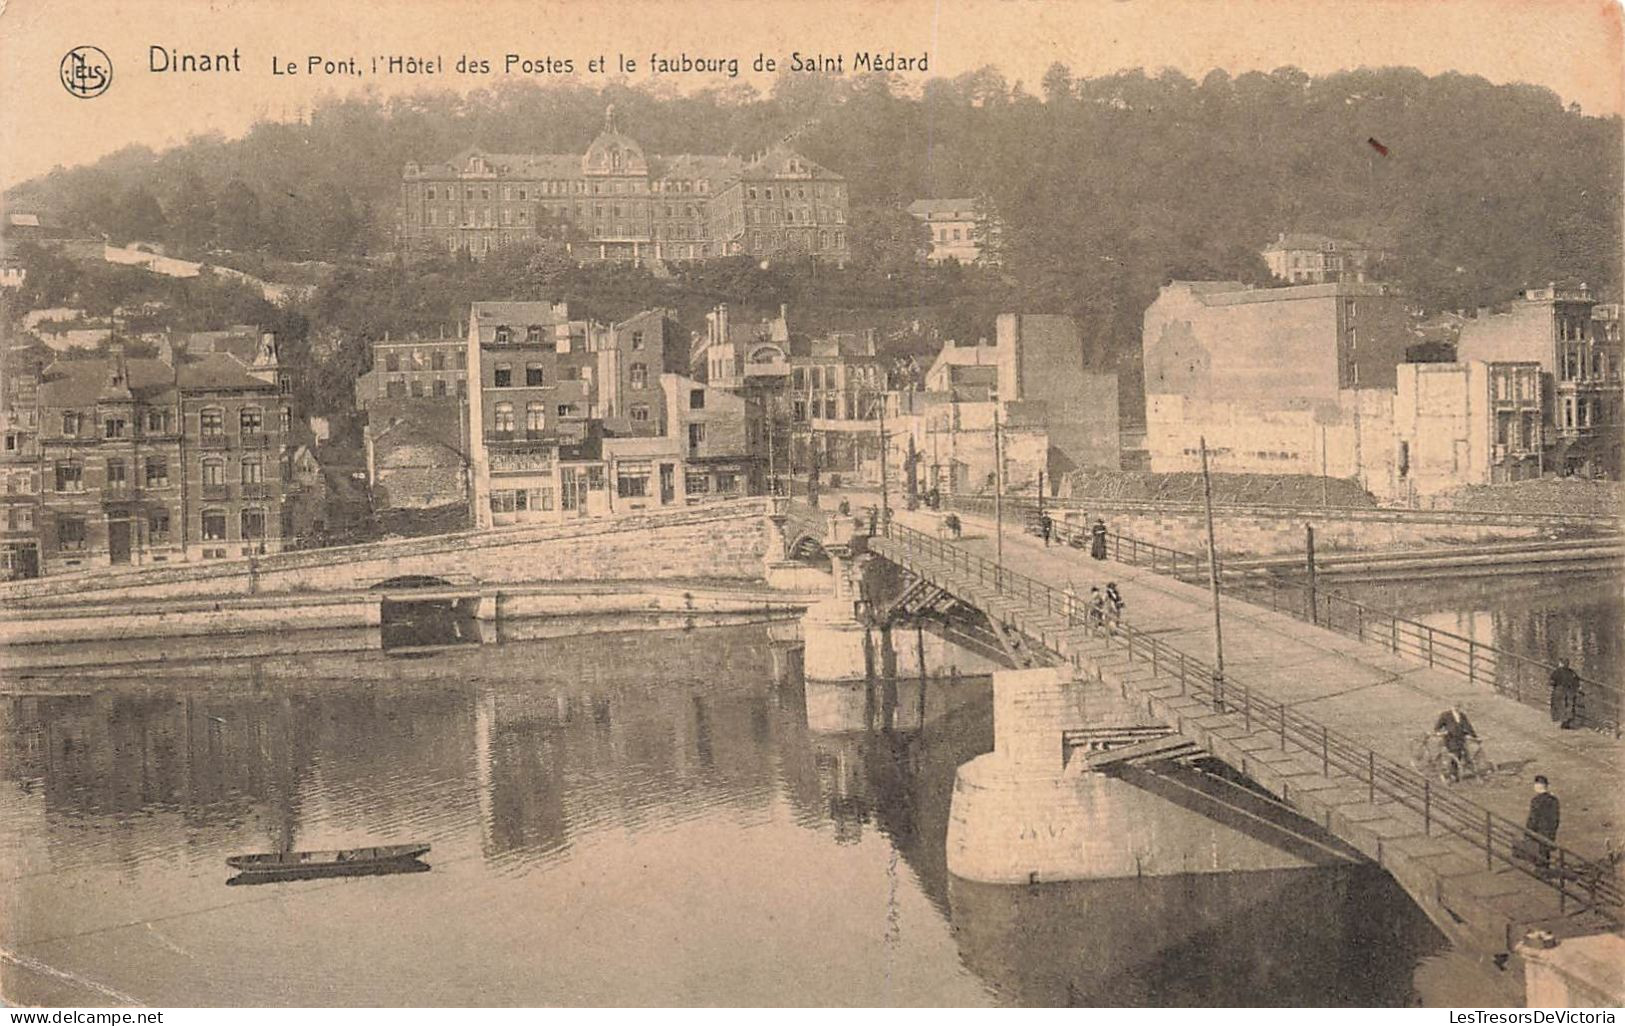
x: 158, y: 422
x: 535, y: 375
x: 577, y: 187
x: 211, y: 421
x: 1585, y: 413
x: 1576, y: 367
x: 437, y: 360
x: 825, y: 376
x: 71, y: 532
x: 398, y: 388
x: 520, y: 500
x: 70, y: 473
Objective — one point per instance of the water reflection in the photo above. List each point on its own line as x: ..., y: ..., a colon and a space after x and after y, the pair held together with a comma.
x: 624, y: 818
x: 1580, y: 616
x: 1302, y: 938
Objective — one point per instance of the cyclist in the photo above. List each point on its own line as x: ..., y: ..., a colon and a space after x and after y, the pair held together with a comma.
x: 1114, y: 602
x: 1455, y: 728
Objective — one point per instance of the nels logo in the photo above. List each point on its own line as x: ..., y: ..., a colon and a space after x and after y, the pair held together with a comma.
x: 86, y: 71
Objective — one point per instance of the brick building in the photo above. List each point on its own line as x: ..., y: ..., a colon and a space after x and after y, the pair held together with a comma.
x: 414, y: 368
x: 614, y: 202
x: 573, y: 418
x: 1041, y: 360
x: 953, y: 226
x: 1277, y: 380
x: 147, y: 461
x: 1304, y: 258
x: 1576, y: 342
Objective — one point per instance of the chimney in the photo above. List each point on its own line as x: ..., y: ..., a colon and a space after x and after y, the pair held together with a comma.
x: 722, y: 322
x: 784, y: 312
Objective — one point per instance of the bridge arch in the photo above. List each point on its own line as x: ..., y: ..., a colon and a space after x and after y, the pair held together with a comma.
x: 808, y: 548
x: 408, y: 582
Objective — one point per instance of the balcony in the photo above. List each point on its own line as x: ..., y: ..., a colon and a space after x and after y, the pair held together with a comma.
x: 256, y: 490
x: 216, y: 491
x: 220, y: 441
x: 254, y: 440
x: 120, y: 493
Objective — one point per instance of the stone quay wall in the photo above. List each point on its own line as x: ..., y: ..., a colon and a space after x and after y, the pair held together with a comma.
x: 725, y: 541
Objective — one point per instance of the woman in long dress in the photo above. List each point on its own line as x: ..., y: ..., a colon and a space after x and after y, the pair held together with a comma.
x: 1097, y: 539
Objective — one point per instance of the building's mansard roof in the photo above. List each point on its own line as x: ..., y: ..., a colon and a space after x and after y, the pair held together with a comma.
x: 522, y: 312
x: 944, y: 209
x: 1291, y: 241
x: 79, y: 383
x: 614, y: 153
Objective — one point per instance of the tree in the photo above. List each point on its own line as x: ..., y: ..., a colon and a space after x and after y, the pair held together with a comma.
x: 1057, y: 84
x: 888, y: 239
x: 237, y: 217
x: 191, y: 214
x: 139, y: 217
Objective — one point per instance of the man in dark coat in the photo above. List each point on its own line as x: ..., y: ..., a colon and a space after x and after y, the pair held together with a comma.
x: 1545, y: 811
x: 1565, y: 695
x: 1097, y: 539
x: 1454, y: 726
x: 1045, y: 526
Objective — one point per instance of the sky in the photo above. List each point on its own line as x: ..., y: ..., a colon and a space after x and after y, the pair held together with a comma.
x: 1573, y: 47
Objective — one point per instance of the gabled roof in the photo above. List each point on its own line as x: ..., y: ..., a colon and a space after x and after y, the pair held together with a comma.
x: 781, y: 161
x: 76, y: 383
x: 220, y: 372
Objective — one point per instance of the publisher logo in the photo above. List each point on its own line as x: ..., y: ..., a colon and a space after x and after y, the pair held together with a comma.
x: 87, y: 71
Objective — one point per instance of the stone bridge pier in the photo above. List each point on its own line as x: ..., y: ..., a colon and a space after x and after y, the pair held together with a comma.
x: 836, y: 639
x: 1083, y: 784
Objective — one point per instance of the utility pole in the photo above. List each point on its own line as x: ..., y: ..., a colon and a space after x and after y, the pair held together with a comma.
x: 998, y: 497
x: 772, y: 429
x: 1213, y: 581
x: 884, y: 507
x: 1323, y: 500
x: 1309, y: 549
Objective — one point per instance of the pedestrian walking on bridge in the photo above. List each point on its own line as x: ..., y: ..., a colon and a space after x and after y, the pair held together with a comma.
x: 1545, y: 812
x: 1565, y: 685
x: 1097, y: 539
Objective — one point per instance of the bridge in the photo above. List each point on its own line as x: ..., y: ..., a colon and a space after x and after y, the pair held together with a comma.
x: 1325, y: 721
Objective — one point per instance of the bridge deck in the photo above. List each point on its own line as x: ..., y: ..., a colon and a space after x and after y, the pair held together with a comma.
x: 1354, y: 689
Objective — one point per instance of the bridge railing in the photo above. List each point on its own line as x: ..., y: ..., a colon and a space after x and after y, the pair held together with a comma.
x: 1509, y: 673
x: 1590, y: 883
x: 1602, y: 522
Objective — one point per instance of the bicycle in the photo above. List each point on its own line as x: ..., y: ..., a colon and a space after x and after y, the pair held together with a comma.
x: 1430, y: 756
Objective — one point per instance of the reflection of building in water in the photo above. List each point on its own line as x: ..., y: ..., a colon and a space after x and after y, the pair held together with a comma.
x: 623, y: 731
x: 1542, y: 617
x: 1344, y: 936
x: 877, y: 746
x: 219, y: 758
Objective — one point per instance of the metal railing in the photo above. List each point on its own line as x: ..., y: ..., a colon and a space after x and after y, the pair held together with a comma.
x: 1509, y: 673
x: 1591, y: 883
x: 1442, y: 515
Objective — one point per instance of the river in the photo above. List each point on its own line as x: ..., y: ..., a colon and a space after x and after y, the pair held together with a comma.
x: 639, y: 818
x: 1580, y: 616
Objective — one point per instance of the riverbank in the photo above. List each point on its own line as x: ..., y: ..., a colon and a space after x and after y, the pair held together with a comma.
x: 91, y: 635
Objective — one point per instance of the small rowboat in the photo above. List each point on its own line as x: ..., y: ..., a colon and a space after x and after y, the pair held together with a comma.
x: 345, y: 861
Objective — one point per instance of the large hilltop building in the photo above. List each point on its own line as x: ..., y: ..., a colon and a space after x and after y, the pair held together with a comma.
x: 618, y: 203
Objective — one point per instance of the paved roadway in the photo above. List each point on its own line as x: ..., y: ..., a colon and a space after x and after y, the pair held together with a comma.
x: 1357, y: 689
